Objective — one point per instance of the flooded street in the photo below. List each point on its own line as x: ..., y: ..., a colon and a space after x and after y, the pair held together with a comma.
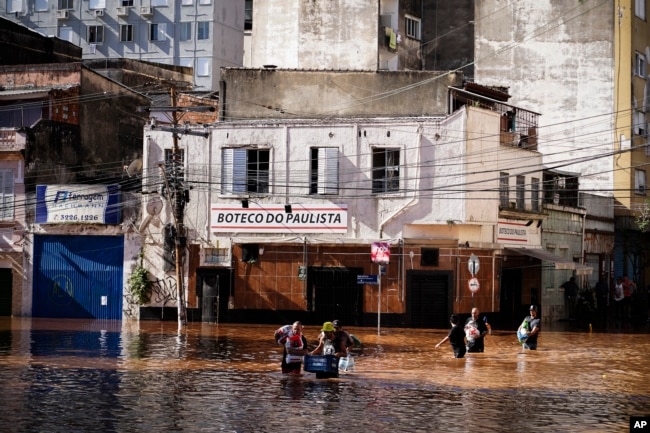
x: 79, y: 376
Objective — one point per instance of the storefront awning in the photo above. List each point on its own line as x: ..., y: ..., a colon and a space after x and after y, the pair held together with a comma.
x: 560, y: 262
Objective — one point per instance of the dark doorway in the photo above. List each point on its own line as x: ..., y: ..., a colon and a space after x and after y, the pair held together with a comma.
x: 333, y: 293
x: 6, y: 283
x: 510, y: 302
x: 213, y: 290
x: 428, y: 299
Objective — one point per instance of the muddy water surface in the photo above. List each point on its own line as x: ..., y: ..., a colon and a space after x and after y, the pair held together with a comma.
x: 79, y: 376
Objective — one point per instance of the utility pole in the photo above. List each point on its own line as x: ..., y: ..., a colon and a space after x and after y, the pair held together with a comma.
x: 177, y: 194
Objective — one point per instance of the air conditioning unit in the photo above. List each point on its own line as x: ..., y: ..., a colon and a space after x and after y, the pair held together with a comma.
x: 146, y: 11
x: 62, y: 15
x: 122, y: 12
x: 99, y: 12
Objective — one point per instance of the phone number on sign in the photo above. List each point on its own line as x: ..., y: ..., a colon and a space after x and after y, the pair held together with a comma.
x: 76, y: 217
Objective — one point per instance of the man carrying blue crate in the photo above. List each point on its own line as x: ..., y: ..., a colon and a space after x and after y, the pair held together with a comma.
x: 329, y: 345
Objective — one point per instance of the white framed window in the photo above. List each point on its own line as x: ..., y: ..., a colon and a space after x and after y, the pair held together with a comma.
x: 640, y: 126
x: 41, y: 5
x: 324, y: 170
x: 6, y: 194
x: 639, y: 8
x: 157, y: 31
x: 14, y: 6
x: 202, y: 30
x: 95, y: 34
x: 245, y: 171
x: 186, y: 31
x: 187, y: 2
x: 504, y: 190
x: 205, y: 2
x: 65, y: 4
x: 413, y: 27
x: 385, y: 170
x: 96, y: 4
x: 126, y: 33
x: 639, y: 181
x: 66, y: 34
x: 203, y: 67
x: 639, y: 64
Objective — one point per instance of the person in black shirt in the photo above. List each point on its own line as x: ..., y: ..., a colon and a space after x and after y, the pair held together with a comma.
x: 475, y: 331
x: 456, y: 337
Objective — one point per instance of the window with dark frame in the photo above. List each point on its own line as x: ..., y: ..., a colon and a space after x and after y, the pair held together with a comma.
x: 245, y: 171
x: 95, y: 34
x: 504, y: 190
x: 534, y: 194
x: 65, y: 4
x: 385, y: 170
x: 126, y: 33
x: 521, y: 192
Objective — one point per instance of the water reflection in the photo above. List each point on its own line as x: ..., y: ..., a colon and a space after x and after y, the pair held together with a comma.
x: 59, y: 375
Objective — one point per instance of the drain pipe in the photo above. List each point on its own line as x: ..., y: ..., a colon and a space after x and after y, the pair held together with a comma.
x: 415, y: 198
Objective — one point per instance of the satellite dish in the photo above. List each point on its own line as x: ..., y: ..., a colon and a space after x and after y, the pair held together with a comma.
x: 154, y: 206
x: 134, y: 168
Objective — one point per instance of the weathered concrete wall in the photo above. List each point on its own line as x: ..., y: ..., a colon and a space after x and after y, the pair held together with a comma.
x: 337, y: 34
x: 448, y: 36
x: 556, y: 57
x: 272, y: 93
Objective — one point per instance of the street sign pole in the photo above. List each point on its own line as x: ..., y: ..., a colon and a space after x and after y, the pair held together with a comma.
x: 379, y: 301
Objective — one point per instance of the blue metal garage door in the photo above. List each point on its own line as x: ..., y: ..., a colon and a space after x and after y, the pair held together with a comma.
x: 78, y: 276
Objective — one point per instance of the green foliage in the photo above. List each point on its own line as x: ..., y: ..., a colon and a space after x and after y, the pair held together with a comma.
x: 643, y: 220
x: 139, y: 284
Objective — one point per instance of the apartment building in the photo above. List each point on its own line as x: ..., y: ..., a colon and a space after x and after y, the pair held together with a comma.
x: 203, y: 34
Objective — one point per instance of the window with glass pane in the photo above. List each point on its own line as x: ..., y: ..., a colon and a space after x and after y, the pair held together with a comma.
x: 127, y: 2
x: 41, y: 5
x: 95, y: 34
x: 521, y: 192
x: 245, y: 171
x: 186, y: 31
x: 248, y: 15
x: 639, y: 182
x: 202, y: 30
x: 157, y: 32
x: 639, y: 8
x: 126, y: 33
x: 66, y: 4
x: 385, y: 170
x: 534, y: 194
x: 7, y: 195
x: 324, y: 171
x: 504, y: 190
x: 413, y: 27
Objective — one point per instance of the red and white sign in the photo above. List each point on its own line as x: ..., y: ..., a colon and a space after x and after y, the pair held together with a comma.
x: 473, y: 285
x: 380, y: 252
x: 273, y: 218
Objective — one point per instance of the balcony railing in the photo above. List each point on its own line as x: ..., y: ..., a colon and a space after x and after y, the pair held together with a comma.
x: 12, y: 140
x: 518, y: 126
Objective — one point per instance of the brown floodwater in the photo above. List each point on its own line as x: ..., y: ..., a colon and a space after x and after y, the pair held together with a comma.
x: 78, y: 376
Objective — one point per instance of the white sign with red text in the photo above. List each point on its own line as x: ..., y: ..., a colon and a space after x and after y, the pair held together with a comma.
x: 274, y: 218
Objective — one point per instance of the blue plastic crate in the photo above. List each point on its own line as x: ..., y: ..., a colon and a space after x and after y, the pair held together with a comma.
x: 321, y: 363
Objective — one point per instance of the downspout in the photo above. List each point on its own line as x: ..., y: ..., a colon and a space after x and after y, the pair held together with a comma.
x: 415, y: 198
x: 209, y: 220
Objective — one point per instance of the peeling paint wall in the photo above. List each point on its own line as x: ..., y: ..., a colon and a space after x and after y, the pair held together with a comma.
x: 556, y: 57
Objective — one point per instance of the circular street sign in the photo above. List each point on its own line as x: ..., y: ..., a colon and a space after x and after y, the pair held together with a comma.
x: 473, y: 285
